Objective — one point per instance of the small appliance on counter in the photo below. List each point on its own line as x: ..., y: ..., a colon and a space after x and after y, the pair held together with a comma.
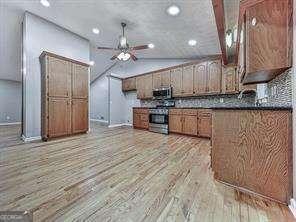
x: 159, y: 117
x: 162, y: 93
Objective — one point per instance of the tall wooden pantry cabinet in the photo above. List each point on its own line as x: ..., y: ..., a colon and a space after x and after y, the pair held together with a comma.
x: 64, y: 103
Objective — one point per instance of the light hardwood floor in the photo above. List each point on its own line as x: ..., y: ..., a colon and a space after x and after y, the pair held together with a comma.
x: 121, y: 174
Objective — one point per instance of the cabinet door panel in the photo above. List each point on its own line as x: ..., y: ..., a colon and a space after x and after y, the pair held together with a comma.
x: 166, y: 78
x: 59, y: 117
x: 59, y: 77
x: 79, y: 81
x: 141, y: 87
x: 176, y: 81
x: 190, y: 125
x: 148, y: 86
x: 205, y: 125
x: 200, y: 78
x: 79, y: 115
x: 268, y: 38
x: 136, y: 120
x: 175, y: 123
x: 156, y: 80
x: 214, y: 76
x: 229, y: 80
x: 187, y: 81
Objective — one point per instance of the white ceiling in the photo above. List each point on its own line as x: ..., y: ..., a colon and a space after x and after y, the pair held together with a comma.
x: 147, y: 21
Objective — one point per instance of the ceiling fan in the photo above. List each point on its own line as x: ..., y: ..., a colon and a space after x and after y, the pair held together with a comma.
x: 125, y: 52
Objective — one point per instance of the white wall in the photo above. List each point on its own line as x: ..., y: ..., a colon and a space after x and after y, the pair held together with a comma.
x: 40, y: 35
x: 117, y: 102
x: 99, y: 99
x: 10, y: 101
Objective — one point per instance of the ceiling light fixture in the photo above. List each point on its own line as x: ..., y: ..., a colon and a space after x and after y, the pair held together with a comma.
x: 91, y: 63
x: 45, y: 3
x: 173, y: 10
x: 192, y: 42
x: 123, y: 56
x: 96, y: 30
x: 151, y: 45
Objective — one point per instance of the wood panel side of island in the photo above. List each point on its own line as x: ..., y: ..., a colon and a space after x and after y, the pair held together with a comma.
x: 252, y: 150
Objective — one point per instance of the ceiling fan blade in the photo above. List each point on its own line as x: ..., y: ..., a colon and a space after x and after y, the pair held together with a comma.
x: 140, y: 47
x: 133, y: 57
x: 106, y: 48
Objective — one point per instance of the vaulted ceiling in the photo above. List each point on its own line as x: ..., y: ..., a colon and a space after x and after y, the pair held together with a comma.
x: 147, y: 21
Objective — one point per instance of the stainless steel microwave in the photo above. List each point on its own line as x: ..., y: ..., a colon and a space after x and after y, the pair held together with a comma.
x: 162, y: 93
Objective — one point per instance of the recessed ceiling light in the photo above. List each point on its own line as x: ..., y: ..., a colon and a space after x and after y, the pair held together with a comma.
x: 192, y: 42
x: 45, y: 3
x: 173, y: 10
x: 151, y: 46
x: 96, y: 30
x: 91, y: 63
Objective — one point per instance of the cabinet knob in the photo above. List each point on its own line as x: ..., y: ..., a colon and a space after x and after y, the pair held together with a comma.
x: 254, y: 21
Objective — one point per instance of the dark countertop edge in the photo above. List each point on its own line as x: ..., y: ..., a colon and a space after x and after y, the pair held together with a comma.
x: 230, y: 108
x: 255, y: 108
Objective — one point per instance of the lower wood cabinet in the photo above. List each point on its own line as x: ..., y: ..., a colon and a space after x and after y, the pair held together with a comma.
x: 194, y: 122
x: 140, y: 118
x: 205, y: 123
x: 79, y: 115
x: 58, y: 117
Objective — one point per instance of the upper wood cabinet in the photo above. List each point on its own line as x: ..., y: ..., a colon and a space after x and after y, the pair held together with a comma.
x: 80, y: 81
x: 156, y: 80
x: 176, y: 81
x: 200, y: 78
x: 129, y: 84
x: 144, y: 87
x: 190, y: 79
x: 268, y: 39
x: 161, y: 79
x: 229, y: 79
x: 187, y: 80
x: 214, y: 76
x: 59, y: 77
x: 166, y: 78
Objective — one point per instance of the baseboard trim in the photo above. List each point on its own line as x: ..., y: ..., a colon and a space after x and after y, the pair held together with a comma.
x: 30, y: 139
x: 119, y: 125
x: 292, y: 207
x: 99, y: 120
x: 8, y: 124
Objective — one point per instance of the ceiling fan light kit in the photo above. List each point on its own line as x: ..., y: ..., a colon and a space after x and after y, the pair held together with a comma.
x: 125, y: 51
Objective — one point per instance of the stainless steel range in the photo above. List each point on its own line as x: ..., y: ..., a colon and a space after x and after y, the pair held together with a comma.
x: 159, y: 117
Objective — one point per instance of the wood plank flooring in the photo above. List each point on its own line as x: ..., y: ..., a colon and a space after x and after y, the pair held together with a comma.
x: 122, y: 174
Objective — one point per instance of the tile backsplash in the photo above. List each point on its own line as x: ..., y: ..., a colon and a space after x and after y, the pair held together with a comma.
x: 279, y: 93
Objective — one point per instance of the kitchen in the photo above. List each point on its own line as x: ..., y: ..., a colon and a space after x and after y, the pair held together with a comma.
x: 155, y: 111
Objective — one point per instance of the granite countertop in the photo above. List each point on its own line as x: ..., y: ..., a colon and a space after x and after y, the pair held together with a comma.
x: 231, y: 108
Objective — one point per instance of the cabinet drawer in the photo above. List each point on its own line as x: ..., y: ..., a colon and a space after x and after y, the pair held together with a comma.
x: 191, y: 112
x: 175, y: 111
x: 141, y: 111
